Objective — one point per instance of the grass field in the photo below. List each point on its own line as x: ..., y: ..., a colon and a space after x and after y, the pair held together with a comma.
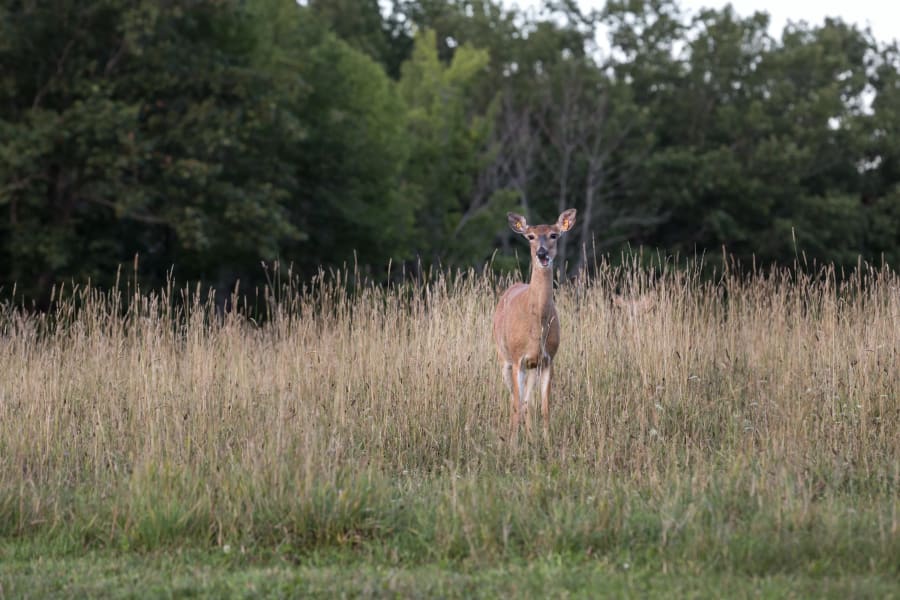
x: 735, y: 435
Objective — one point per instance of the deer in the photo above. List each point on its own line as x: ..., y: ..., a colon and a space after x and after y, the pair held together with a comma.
x: 526, y: 326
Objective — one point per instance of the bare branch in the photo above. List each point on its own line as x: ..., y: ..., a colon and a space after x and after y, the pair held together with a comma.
x: 39, y: 97
x: 114, y: 60
x: 149, y: 219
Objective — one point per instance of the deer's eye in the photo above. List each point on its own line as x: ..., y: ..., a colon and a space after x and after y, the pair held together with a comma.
x: 530, y: 236
x: 553, y: 236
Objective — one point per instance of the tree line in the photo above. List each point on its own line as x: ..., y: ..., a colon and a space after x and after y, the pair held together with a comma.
x: 209, y: 136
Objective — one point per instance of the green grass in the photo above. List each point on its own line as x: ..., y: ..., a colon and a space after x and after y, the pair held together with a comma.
x: 455, y: 535
x: 196, y: 573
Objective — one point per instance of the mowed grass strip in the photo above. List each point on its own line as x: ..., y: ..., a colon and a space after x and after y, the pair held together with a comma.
x: 743, y: 426
x: 197, y: 574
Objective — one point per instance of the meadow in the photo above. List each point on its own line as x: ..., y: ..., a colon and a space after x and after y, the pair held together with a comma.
x: 730, y: 435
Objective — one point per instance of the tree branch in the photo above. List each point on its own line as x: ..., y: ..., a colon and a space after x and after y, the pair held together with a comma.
x: 39, y: 97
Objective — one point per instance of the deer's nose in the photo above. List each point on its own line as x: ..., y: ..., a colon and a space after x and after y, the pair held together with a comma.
x: 542, y: 253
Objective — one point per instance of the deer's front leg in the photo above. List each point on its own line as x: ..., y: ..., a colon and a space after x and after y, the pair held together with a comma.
x: 517, y: 387
x: 530, y: 379
x: 546, y: 380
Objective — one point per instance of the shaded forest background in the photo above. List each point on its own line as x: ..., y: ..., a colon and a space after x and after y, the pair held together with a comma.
x: 210, y: 136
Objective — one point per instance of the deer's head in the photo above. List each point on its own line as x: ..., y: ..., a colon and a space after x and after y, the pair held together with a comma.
x: 542, y: 238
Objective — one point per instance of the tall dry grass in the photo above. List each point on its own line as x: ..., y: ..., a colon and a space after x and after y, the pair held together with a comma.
x: 747, y: 421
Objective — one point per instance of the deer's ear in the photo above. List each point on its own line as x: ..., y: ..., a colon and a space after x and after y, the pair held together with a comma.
x: 566, y: 220
x: 516, y: 222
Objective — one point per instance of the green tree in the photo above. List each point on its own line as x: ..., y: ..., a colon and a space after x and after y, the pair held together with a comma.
x: 759, y: 141
x: 136, y: 128
x: 880, y: 164
x: 351, y: 161
x: 207, y: 136
x: 448, y: 133
x: 385, y: 38
x: 214, y: 134
x: 349, y: 156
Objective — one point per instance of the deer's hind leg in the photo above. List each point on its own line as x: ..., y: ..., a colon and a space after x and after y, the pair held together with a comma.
x: 507, y: 376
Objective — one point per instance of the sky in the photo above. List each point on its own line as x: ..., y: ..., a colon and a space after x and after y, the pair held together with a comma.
x: 882, y: 16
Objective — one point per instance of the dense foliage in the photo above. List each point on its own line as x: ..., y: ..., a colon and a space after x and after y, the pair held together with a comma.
x: 212, y: 135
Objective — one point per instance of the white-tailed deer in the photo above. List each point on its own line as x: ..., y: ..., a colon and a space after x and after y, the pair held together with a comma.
x: 526, y: 326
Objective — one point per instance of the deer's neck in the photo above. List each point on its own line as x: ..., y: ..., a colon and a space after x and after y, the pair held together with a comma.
x: 540, y: 293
